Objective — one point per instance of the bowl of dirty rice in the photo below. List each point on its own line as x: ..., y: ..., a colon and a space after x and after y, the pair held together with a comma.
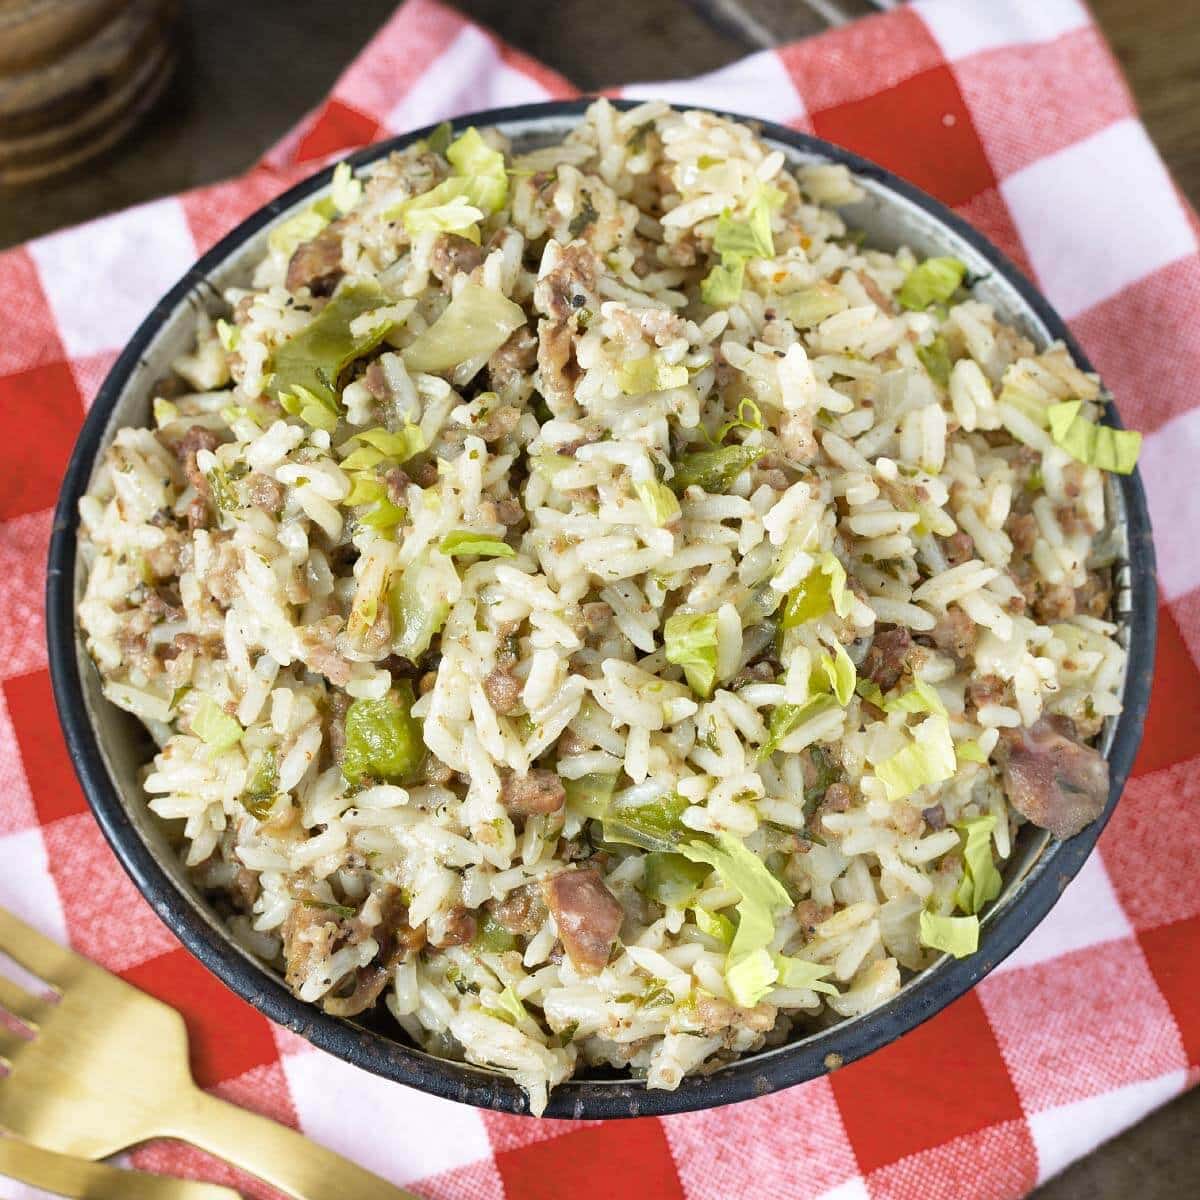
x: 600, y: 609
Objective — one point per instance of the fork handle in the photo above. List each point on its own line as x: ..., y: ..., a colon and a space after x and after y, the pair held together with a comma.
x: 274, y: 1153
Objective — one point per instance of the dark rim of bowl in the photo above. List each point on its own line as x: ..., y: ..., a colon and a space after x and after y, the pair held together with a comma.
x: 743, y: 1079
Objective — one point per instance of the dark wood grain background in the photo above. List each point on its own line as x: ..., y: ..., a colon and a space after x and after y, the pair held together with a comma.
x: 249, y: 71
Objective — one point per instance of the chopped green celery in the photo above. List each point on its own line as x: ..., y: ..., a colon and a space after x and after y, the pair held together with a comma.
x: 439, y: 140
x: 457, y: 215
x: 382, y: 513
x: 303, y: 227
x: 981, y: 881
x: 786, y: 717
x: 341, y: 910
x: 399, y: 446
x: 312, y: 410
x: 590, y: 795
x: 307, y: 366
x: 670, y: 878
x: 812, y: 305
x: 383, y: 739
x: 969, y: 750
x: 228, y: 335
x: 164, y: 411
x: 761, y: 896
x: 483, y: 169
x: 510, y: 1007
x: 750, y: 976
x: 749, y: 238
x: 214, y: 726
x: 418, y: 611
x: 655, y: 825
x: 461, y: 542
x: 840, y: 673
x: 492, y: 937
x: 549, y: 465
x: 691, y: 643
x: 1096, y: 445
x: 822, y: 589
x: 715, y: 925
x: 920, y: 698
x: 928, y: 758
x: 935, y: 358
x: 659, y: 501
x: 474, y: 324
x: 749, y: 416
x: 262, y: 774
x: 220, y: 488
x: 933, y: 282
x: 346, y: 191
x: 723, y: 284
x: 958, y: 936
x: 799, y: 973
x: 714, y: 470
x: 640, y: 376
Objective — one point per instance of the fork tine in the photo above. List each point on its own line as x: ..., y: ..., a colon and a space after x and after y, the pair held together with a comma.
x: 23, y: 1005
x: 11, y: 1044
x: 37, y: 954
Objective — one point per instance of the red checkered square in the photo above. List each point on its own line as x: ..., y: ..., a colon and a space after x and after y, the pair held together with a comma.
x: 506, y: 1132
x: 717, y: 1152
x: 920, y: 129
x: 1152, y: 844
x: 212, y: 212
x: 56, y: 791
x: 106, y: 917
x: 1000, y: 1162
x: 1171, y: 952
x: 30, y: 338
x: 89, y: 371
x: 1081, y: 1024
x: 613, y: 1161
x: 337, y: 129
x: 226, y: 1037
x: 1186, y: 610
x: 1162, y: 308
x: 1170, y: 732
x: 414, y: 37
x: 479, y: 1181
x: 24, y: 542
x: 829, y: 71
x: 41, y: 415
x: 945, y: 1079
x: 186, y: 1162
x: 1019, y: 118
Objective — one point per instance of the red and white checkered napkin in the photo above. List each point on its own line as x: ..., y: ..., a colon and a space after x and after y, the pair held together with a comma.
x: 1013, y: 113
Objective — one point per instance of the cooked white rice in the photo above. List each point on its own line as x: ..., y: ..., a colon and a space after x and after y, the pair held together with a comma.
x: 233, y: 578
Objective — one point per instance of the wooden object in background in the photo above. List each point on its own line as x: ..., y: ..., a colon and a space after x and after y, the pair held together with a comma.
x: 75, y: 75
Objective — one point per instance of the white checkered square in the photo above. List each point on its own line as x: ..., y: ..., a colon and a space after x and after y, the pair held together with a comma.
x: 130, y: 259
x: 1169, y: 456
x: 1070, y: 1131
x: 852, y: 1189
x: 26, y: 885
x: 1087, y: 913
x: 16, y: 801
x: 469, y: 75
x: 759, y: 85
x: 964, y: 27
x: 411, y: 1135
x: 1098, y: 216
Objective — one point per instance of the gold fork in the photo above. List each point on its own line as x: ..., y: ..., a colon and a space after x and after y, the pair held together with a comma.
x: 106, y: 1067
x: 66, y: 1176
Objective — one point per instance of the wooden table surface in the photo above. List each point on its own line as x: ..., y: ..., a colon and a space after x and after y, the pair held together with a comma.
x: 238, y: 89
